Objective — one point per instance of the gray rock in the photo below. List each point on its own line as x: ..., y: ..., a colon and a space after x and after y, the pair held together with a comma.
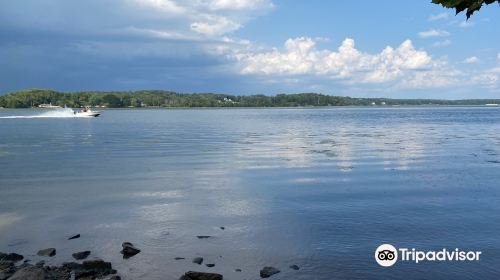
x: 179, y: 258
x: 238, y: 270
x: 40, y: 264
x: 295, y: 267
x: 7, y: 268
x: 193, y: 275
x: 98, y: 265
x: 210, y: 264
x: 10, y: 257
x: 49, y: 252
x: 74, y: 237
x: 81, y: 255
x: 198, y: 260
x: 268, y: 271
x: 129, y: 250
x: 204, y: 236
x: 29, y: 273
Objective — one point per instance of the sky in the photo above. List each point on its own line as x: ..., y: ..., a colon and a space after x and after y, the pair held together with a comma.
x: 350, y: 48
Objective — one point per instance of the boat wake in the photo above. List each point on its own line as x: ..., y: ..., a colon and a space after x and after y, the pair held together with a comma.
x: 58, y: 113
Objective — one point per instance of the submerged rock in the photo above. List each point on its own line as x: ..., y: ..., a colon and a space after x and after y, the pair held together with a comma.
x: 198, y: 260
x: 129, y: 250
x: 81, y: 255
x: 223, y: 228
x: 295, y: 267
x: 179, y: 258
x: 204, y: 236
x: 29, y: 273
x: 210, y: 264
x: 10, y: 257
x: 74, y: 237
x: 238, y: 270
x: 268, y: 271
x: 49, y: 252
x: 193, y: 275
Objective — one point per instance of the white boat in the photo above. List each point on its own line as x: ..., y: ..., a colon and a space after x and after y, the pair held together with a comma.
x: 87, y: 112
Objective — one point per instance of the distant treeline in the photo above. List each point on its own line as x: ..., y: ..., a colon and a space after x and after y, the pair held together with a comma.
x: 159, y: 98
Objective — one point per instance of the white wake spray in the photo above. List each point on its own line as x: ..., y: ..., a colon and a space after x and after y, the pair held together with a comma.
x: 56, y: 113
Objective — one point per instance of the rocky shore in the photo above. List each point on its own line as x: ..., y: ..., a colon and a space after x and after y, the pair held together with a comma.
x: 14, y: 266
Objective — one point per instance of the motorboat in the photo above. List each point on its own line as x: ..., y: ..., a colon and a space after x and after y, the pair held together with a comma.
x: 87, y: 112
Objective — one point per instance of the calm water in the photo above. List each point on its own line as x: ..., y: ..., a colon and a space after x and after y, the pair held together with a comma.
x: 320, y: 188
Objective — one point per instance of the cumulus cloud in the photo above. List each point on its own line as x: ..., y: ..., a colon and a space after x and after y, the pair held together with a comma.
x: 440, y: 16
x: 498, y: 56
x: 471, y: 60
x: 433, y: 33
x: 300, y: 56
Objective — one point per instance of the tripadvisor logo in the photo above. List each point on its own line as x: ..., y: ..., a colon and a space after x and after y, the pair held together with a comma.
x: 387, y: 255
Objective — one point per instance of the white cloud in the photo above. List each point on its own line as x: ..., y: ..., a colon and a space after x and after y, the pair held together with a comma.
x: 216, y: 26
x: 240, y: 4
x: 465, y: 24
x: 163, y: 5
x: 488, y: 79
x: 402, y: 65
x: 443, y: 43
x: 433, y: 33
x: 440, y: 16
x: 498, y: 56
x: 471, y: 60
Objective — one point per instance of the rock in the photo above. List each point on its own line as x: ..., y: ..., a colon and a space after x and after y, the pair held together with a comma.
x: 295, y: 267
x: 74, y: 237
x: 210, y: 265
x: 49, y: 252
x: 114, y: 277
x: 29, y: 273
x: 129, y: 250
x: 40, y: 264
x: 81, y: 255
x: 7, y: 269
x: 10, y: 257
x: 237, y: 270
x: 204, y: 236
x: 98, y: 265
x: 268, y: 271
x: 223, y: 228
x: 179, y: 258
x: 56, y: 273
x: 193, y: 275
x: 198, y: 260
x: 72, y: 266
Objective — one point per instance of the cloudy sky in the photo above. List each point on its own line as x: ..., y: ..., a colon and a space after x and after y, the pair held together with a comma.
x: 356, y: 48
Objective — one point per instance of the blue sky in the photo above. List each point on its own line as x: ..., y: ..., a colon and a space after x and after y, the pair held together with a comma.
x: 355, y: 48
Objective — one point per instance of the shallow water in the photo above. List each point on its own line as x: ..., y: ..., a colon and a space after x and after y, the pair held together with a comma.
x: 320, y: 188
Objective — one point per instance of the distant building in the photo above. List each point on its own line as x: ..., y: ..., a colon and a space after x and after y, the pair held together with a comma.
x: 383, y: 103
x: 48, y: 106
x: 373, y: 103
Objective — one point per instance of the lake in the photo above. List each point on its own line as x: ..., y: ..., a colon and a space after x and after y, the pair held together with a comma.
x: 319, y: 188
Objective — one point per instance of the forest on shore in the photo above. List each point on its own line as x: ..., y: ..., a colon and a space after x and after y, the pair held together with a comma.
x: 161, y: 98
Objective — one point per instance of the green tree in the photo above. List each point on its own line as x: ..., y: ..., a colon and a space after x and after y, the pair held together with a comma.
x: 461, y: 5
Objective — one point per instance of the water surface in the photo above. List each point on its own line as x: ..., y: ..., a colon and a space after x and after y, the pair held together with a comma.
x: 320, y: 188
